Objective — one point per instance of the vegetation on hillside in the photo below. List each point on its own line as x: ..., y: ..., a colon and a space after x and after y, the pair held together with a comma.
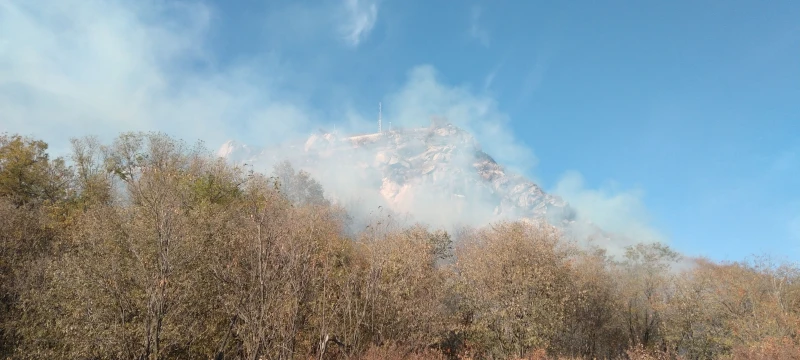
x: 147, y: 248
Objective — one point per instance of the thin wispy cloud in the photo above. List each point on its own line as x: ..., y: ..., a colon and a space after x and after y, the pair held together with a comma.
x: 534, y: 77
x: 476, y: 30
x: 360, y: 17
x: 489, y: 79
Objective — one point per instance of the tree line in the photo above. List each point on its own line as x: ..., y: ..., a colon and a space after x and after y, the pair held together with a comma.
x: 149, y: 248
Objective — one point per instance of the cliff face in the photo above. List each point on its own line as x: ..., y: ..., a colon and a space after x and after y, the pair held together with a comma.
x: 437, y: 174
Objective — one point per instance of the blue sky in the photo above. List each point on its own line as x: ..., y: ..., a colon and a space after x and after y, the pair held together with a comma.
x: 681, y: 116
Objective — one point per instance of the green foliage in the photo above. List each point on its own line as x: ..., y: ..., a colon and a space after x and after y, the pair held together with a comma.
x: 27, y: 174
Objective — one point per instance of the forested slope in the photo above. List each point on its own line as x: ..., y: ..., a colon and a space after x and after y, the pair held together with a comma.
x: 148, y: 248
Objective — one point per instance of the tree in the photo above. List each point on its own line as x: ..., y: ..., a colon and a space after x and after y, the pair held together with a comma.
x: 298, y: 187
x: 27, y: 174
x: 594, y: 326
x: 403, y: 285
x: 25, y: 240
x: 645, y: 278
x: 515, y: 284
x: 93, y: 172
x: 693, y: 323
x: 31, y: 186
x: 131, y: 284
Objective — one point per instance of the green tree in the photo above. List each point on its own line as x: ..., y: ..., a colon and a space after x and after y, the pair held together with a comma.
x: 27, y: 174
x: 31, y: 188
x: 298, y: 186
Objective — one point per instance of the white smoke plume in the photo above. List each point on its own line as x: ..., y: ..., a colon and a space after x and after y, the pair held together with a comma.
x: 70, y: 68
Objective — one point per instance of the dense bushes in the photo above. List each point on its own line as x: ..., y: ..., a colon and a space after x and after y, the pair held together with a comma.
x: 149, y: 249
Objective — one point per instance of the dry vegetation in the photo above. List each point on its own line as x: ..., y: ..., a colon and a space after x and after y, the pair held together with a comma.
x: 148, y: 249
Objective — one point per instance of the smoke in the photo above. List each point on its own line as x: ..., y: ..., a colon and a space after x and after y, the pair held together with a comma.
x: 361, y: 16
x: 424, y: 96
x: 352, y: 175
x: 620, y: 215
x: 70, y: 68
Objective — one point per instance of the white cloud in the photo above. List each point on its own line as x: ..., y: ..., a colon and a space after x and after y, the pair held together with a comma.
x: 360, y: 17
x: 476, y: 31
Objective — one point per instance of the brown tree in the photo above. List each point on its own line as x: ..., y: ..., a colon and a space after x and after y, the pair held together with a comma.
x: 515, y: 284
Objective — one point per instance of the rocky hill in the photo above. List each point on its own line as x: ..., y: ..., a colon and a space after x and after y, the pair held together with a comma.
x: 437, y: 174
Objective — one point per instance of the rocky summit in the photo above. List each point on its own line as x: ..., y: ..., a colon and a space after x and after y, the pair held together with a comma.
x: 437, y: 174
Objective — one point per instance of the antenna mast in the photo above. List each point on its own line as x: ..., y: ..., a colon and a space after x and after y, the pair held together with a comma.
x: 380, y: 111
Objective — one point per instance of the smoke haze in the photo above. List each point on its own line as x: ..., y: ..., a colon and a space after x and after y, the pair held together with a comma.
x: 100, y: 67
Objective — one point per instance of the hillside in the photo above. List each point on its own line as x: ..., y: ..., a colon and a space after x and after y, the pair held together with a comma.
x: 149, y: 249
x: 437, y: 174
